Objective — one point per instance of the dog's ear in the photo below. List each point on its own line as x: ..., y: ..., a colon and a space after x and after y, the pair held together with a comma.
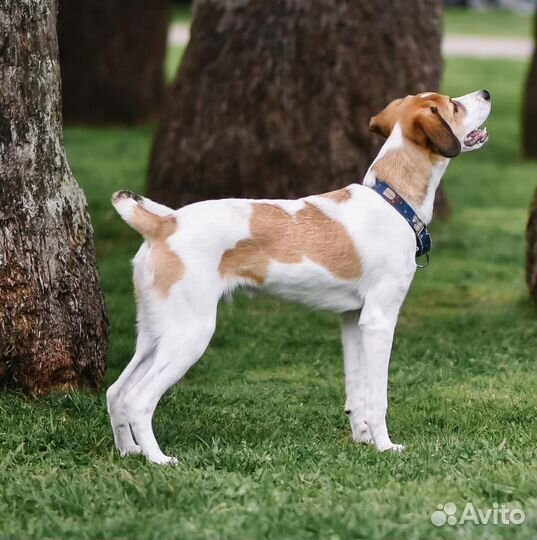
x: 383, y: 122
x: 439, y: 133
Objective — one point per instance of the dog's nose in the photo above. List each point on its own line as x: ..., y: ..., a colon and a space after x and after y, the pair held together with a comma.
x: 485, y: 94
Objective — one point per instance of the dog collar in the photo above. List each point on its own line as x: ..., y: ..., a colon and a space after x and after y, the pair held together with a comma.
x: 423, y: 238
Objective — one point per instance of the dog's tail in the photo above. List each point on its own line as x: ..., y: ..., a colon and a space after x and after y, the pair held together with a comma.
x: 143, y: 215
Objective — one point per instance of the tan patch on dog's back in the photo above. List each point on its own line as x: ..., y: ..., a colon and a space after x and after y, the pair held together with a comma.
x: 338, y: 196
x: 286, y: 238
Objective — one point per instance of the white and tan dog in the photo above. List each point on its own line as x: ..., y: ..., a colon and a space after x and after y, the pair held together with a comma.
x: 347, y: 251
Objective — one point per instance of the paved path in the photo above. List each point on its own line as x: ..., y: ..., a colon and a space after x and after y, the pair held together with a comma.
x: 453, y: 45
x: 487, y: 47
x: 179, y: 34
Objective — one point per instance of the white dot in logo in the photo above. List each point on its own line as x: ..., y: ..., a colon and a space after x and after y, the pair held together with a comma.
x: 438, y: 518
x: 450, y: 508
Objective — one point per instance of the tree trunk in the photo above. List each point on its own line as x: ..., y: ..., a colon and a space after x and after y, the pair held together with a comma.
x: 112, y: 59
x: 531, y: 249
x: 529, y: 113
x: 273, y: 99
x: 53, y: 325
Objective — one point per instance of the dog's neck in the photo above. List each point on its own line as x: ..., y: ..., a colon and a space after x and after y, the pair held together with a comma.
x: 412, y: 171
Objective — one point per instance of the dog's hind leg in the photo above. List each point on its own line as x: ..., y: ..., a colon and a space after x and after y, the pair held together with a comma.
x: 140, y: 363
x: 355, y: 405
x: 183, y: 342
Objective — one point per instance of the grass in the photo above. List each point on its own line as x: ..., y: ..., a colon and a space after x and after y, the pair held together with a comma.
x: 258, y: 424
x: 487, y: 23
x: 174, y: 54
x: 181, y: 14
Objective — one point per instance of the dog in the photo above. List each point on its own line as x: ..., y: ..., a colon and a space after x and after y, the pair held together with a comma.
x: 351, y: 251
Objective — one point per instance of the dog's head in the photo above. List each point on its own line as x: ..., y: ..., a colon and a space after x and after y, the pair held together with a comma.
x: 447, y: 126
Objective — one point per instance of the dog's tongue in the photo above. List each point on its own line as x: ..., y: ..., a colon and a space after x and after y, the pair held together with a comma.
x: 476, y: 136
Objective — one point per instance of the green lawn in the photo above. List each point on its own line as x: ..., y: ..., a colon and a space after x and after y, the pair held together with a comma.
x: 172, y: 60
x: 181, y: 14
x: 487, y: 23
x: 258, y: 424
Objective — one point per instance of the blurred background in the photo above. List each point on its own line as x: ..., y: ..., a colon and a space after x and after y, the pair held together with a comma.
x: 251, y: 98
x: 257, y: 99
x: 278, y: 91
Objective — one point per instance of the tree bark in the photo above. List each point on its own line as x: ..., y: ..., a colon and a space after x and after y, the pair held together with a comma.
x: 273, y: 99
x: 112, y: 59
x: 529, y: 113
x: 531, y: 249
x: 53, y: 325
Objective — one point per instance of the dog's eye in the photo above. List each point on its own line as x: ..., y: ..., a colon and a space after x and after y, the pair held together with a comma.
x: 455, y: 107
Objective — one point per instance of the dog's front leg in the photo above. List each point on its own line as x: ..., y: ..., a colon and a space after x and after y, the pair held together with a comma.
x: 355, y: 404
x: 376, y: 326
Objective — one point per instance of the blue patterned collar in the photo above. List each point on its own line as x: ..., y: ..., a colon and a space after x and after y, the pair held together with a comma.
x: 423, y: 238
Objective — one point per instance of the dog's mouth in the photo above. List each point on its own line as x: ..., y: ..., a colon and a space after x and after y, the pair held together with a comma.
x: 477, y: 136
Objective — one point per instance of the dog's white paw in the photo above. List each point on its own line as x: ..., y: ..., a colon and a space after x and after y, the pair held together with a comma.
x: 163, y: 460
x: 397, y: 448
x: 132, y: 450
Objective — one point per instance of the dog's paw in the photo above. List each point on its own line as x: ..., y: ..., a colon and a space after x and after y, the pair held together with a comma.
x: 163, y: 460
x: 132, y: 450
x: 396, y: 448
